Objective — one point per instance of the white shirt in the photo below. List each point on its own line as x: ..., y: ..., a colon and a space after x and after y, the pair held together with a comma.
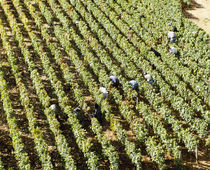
x: 194, y: 33
x: 54, y: 108
x: 148, y: 77
x: 104, y: 91
x: 171, y: 34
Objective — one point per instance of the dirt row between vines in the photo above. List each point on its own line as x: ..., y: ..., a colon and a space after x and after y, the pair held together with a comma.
x: 6, y: 150
x: 199, y: 13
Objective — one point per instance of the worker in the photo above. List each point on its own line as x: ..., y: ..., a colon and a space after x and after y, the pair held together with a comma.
x: 172, y: 36
x: 115, y: 81
x: 97, y: 113
x: 149, y: 78
x: 134, y: 85
x: 54, y: 108
x: 77, y: 22
x: 173, y: 50
x: 194, y: 33
x: 78, y: 112
x: 104, y: 91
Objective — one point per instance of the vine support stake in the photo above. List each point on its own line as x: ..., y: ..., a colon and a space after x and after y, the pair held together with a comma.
x: 180, y: 155
x: 137, y: 101
x: 196, y: 153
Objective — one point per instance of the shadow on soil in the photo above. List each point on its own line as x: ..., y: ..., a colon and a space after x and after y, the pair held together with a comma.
x: 192, y: 6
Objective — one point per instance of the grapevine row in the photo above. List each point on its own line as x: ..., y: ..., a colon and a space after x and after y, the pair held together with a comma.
x: 120, y: 126
x: 40, y: 143
x: 186, y: 40
x: 107, y: 61
x: 88, y: 80
x: 63, y: 101
x: 106, y: 145
x: 186, y: 47
x: 158, y: 64
x: 184, y: 92
x: 20, y: 154
x: 115, y: 92
x: 171, y: 119
x: 186, y: 112
x: 61, y: 142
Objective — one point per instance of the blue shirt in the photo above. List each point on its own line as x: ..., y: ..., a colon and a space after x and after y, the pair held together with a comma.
x: 173, y: 50
x: 114, y: 80
x: 134, y: 84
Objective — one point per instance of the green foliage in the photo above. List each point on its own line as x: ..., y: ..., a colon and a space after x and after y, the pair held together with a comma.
x: 1, y: 165
x: 20, y: 154
x: 113, y: 38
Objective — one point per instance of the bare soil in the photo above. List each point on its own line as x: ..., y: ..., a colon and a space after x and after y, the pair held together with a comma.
x: 6, y: 149
x: 199, y: 13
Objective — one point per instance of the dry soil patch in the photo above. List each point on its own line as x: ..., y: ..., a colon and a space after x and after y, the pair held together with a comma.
x: 199, y: 13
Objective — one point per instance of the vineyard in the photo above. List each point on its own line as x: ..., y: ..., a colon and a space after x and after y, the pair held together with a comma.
x: 57, y: 56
